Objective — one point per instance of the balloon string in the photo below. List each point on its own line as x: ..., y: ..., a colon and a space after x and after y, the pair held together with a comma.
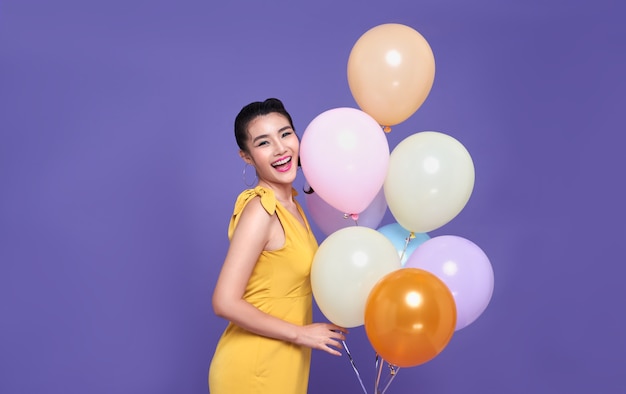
x: 353, y: 216
x: 406, y: 244
x: 376, y: 360
x: 356, y: 371
x: 379, y: 367
x: 393, y: 372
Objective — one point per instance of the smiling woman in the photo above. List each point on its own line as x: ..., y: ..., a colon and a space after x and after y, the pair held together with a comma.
x: 264, y: 288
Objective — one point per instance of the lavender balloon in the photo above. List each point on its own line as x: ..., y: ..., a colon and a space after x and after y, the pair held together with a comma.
x: 463, y: 267
x: 329, y: 219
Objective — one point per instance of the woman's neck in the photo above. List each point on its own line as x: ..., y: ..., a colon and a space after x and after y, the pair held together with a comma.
x: 282, y: 192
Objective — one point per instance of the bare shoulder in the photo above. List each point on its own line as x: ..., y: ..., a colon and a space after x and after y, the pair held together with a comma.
x: 254, y: 218
x: 258, y: 228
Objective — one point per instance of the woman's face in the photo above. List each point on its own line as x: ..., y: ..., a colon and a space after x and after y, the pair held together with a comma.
x: 273, y: 148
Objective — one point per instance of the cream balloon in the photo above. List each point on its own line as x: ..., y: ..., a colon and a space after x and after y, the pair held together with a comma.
x: 429, y: 181
x: 391, y: 69
x: 346, y: 266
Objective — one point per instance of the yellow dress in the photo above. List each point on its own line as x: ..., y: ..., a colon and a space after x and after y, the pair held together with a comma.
x: 246, y: 363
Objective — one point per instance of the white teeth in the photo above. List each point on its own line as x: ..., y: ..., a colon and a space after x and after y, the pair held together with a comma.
x: 281, y: 162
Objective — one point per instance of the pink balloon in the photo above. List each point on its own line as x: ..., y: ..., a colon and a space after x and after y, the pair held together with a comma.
x: 463, y: 267
x: 330, y: 219
x: 345, y: 155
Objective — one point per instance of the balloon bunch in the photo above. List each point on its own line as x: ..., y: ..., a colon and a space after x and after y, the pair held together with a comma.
x: 411, y: 292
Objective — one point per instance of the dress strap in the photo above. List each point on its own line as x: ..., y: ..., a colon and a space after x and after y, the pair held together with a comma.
x: 268, y: 199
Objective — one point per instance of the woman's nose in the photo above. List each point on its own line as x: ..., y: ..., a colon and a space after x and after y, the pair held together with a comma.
x: 280, y: 147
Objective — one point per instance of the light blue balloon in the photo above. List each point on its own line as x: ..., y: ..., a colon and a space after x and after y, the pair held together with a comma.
x: 398, y: 236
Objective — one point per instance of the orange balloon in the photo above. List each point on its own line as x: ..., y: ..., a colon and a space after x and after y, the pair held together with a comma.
x: 410, y: 317
x: 391, y: 69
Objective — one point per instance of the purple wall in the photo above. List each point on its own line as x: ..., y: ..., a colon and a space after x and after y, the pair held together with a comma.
x: 118, y: 172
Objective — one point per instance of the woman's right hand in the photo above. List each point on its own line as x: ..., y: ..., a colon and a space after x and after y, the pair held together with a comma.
x: 322, y: 336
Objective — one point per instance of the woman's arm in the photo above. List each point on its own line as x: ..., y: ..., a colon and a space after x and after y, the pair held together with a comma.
x: 256, y: 229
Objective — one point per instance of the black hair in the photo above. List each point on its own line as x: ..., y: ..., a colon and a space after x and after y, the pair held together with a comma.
x: 252, y: 111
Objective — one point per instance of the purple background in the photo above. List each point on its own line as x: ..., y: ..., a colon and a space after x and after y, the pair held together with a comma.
x: 119, y: 170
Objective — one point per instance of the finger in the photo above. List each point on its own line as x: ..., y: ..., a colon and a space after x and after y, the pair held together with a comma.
x: 332, y: 351
x: 342, y: 329
x: 338, y: 335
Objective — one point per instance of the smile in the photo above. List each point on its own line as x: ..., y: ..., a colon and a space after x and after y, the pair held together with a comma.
x: 281, y: 162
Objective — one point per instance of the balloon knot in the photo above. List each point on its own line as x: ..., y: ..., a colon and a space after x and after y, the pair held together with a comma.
x: 354, y: 216
x: 387, y: 129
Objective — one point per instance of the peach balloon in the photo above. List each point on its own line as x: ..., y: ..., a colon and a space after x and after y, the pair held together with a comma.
x: 391, y: 69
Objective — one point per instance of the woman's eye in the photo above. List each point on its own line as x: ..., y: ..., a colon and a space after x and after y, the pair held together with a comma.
x: 286, y: 133
x: 262, y: 143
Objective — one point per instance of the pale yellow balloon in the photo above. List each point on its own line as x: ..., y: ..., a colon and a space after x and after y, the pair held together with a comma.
x: 391, y: 70
x: 429, y: 180
x: 345, y: 268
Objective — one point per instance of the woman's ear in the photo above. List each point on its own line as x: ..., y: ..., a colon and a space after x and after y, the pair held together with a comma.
x: 245, y: 157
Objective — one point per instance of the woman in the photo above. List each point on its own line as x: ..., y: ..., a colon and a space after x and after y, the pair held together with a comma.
x: 264, y: 286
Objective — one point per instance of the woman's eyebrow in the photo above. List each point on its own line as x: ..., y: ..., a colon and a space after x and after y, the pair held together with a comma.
x: 258, y: 137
